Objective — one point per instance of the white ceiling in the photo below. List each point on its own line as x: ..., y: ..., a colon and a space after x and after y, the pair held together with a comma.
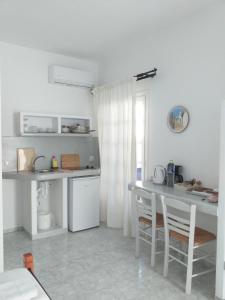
x: 87, y: 28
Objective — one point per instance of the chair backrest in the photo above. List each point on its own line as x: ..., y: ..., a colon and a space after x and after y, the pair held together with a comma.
x: 173, y: 220
x: 146, y: 205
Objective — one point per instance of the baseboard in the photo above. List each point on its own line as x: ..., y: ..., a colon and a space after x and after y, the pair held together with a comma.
x: 15, y: 229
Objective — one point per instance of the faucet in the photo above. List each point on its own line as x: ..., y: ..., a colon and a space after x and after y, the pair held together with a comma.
x: 34, y: 162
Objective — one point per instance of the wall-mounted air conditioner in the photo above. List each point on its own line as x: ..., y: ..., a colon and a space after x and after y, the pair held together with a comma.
x: 72, y: 77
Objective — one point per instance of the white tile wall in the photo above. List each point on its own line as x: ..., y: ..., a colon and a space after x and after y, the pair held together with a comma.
x: 48, y: 146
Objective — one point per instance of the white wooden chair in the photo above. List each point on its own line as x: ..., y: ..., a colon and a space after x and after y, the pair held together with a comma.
x: 184, y: 231
x: 148, y: 222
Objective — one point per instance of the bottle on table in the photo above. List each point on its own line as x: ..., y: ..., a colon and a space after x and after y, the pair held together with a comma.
x: 54, y: 163
x: 170, y: 174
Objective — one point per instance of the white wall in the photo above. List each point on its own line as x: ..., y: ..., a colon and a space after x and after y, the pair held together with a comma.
x: 220, y: 273
x: 1, y: 204
x: 191, y: 65
x: 25, y: 87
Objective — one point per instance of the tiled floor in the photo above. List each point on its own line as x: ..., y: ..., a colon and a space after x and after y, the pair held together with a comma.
x: 100, y: 264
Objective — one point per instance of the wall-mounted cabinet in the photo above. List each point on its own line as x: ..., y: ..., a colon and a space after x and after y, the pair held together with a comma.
x: 33, y: 124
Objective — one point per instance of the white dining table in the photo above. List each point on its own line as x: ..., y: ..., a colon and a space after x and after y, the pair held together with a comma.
x: 201, y: 202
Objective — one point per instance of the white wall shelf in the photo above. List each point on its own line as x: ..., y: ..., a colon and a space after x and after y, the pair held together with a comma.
x: 34, y: 124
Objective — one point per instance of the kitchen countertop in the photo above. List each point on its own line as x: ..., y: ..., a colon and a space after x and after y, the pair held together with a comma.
x: 51, y: 175
x: 202, y: 205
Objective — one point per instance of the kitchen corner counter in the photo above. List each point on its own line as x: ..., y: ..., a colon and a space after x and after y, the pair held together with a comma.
x: 51, y: 175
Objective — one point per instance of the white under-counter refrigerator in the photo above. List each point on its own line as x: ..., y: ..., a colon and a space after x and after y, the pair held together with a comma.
x: 84, y: 203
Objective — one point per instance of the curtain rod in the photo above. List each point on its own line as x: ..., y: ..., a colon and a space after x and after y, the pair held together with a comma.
x: 149, y: 74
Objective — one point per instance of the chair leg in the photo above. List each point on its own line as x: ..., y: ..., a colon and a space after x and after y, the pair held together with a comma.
x: 166, y: 256
x: 153, y: 248
x: 189, y: 272
x: 137, y: 250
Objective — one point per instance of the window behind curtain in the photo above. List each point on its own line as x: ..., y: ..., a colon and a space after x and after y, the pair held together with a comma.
x: 140, y: 135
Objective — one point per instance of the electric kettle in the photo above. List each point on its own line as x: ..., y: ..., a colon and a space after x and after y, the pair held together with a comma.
x: 159, y: 174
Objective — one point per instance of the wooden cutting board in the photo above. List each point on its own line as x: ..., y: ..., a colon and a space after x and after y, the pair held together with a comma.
x: 25, y: 158
x: 70, y: 161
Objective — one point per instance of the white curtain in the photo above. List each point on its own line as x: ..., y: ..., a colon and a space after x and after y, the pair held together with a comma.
x: 115, y: 111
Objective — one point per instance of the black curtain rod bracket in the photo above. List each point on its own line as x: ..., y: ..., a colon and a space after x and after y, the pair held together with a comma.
x: 149, y: 74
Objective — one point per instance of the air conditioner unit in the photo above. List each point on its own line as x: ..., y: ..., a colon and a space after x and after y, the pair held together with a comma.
x: 69, y: 76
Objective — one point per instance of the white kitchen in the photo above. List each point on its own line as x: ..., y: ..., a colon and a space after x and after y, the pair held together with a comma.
x: 112, y: 156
